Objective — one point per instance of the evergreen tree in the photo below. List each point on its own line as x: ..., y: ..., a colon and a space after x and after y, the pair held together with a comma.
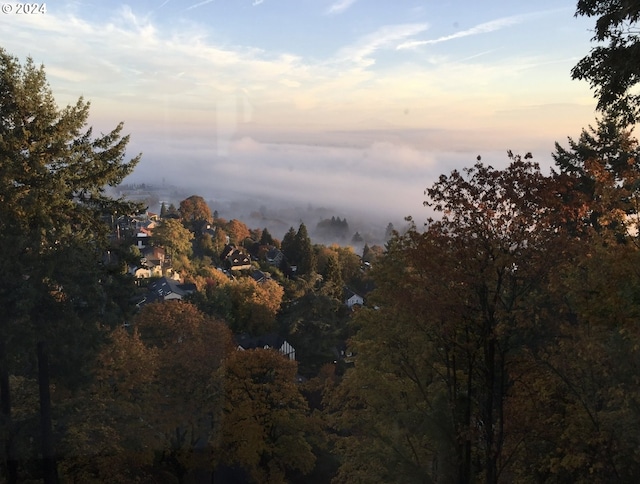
x: 172, y: 211
x: 266, y: 238
x: 603, y: 170
x: 366, y: 253
x: 388, y: 233
x: 56, y: 276
x: 304, y: 251
x: 52, y: 190
x: 288, y: 246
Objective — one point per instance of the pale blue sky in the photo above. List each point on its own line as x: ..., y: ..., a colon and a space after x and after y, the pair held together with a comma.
x: 309, y: 95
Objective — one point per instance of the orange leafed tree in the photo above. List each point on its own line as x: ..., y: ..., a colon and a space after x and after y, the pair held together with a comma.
x: 158, y: 396
x: 266, y: 417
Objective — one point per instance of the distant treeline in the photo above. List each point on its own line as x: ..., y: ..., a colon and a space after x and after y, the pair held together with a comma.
x: 333, y: 227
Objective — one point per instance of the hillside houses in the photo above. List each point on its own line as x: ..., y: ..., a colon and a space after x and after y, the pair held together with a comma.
x: 259, y: 279
x: 260, y: 276
x: 165, y: 289
x: 235, y: 259
x: 275, y: 256
x: 153, y: 263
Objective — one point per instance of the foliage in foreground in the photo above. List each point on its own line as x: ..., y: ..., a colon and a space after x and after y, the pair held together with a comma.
x: 501, y: 342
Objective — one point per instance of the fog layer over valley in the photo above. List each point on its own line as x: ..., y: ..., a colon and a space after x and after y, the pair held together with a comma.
x: 275, y: 214
x: 275, y: 179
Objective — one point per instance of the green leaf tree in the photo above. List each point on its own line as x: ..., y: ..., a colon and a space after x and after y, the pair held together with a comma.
x: 577, y: 401
x: 172, y: 211
x: 174, y: 237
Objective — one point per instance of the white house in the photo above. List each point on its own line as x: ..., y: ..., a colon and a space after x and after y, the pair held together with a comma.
x: 352, y: 299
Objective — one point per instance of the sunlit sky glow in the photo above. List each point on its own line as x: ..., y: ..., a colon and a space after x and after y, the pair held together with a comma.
x: 360, y: 102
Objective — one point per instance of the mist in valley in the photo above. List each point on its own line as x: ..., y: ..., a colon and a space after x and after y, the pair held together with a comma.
x: 272, y: 179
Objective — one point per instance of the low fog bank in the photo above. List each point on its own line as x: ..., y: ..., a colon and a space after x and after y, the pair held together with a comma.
x: 275, y: 180
x: 276, y: 215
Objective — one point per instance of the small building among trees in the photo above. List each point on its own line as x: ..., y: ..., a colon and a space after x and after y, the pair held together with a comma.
x: 267, y: 341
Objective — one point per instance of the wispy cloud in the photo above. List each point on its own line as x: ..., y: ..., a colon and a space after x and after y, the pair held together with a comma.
x: 129, y: 66
x: 257, y: 2
x: 475, y: 56
x: 199, y: 4
x: 340, y: 6
x: 385, y: 37
x: 482, y: 28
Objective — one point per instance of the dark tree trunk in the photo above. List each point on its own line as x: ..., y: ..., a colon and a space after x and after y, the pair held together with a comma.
x: 491, y: 462
x: 465, y: 476
x: 48, y: 461
x: 5, y: 404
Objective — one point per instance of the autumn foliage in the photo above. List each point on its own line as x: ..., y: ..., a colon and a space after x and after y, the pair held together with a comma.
x: 500, y: 343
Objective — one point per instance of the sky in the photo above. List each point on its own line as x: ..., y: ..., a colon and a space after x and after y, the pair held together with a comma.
x: 352, y: 104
